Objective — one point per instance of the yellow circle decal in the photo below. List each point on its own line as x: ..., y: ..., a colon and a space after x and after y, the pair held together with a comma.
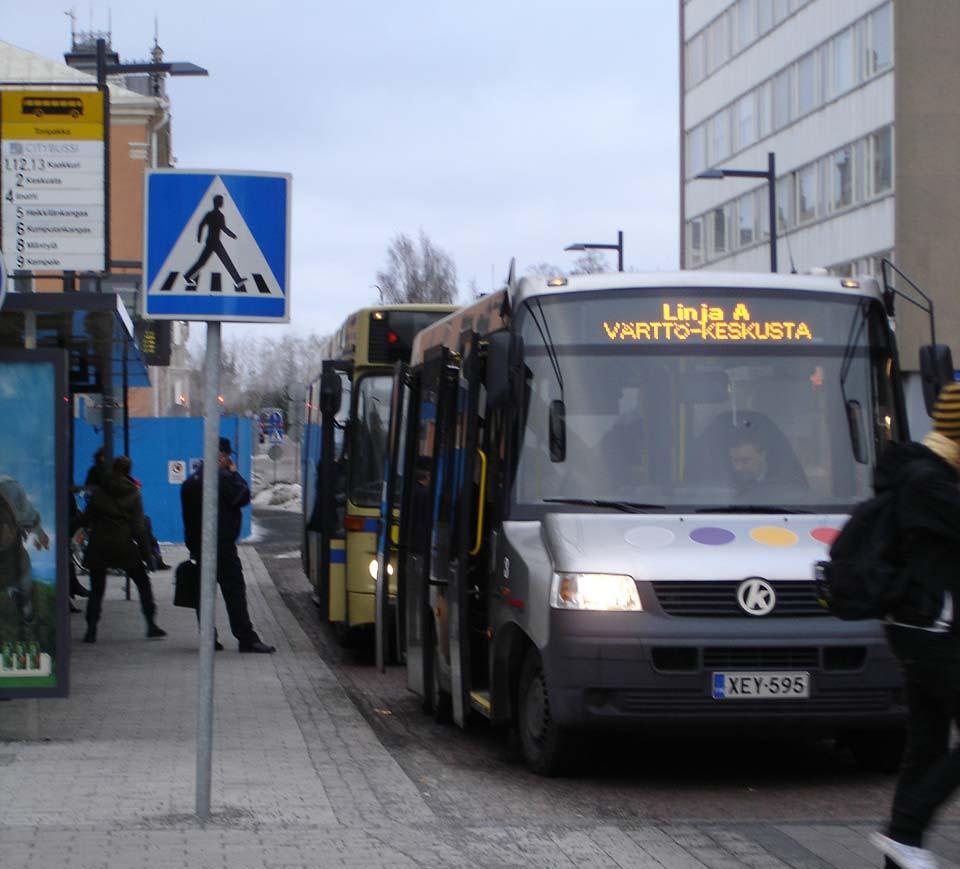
x: 770, y: 535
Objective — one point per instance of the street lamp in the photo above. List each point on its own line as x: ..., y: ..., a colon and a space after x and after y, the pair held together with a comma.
x: 175, y: 68
x: 770, y: 173
x: 618, y: 247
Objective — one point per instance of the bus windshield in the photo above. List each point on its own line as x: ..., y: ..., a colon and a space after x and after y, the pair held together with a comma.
x: 707, y: 400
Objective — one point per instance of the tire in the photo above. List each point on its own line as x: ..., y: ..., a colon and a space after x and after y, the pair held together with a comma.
x: 878, y: 750
x: 544, y: 743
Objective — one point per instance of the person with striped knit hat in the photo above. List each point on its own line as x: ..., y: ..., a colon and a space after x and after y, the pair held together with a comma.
x: 924, y: 631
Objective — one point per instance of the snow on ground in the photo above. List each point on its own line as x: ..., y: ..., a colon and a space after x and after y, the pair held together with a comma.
x: 282, y: 496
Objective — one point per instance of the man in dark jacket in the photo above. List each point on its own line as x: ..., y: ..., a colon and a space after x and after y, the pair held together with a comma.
x: 234, y: 494
x: 924, y: 631
x: 118, y: 538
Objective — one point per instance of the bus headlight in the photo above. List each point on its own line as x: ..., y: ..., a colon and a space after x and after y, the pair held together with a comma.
x: 374, y: 569
x: 594, y: 591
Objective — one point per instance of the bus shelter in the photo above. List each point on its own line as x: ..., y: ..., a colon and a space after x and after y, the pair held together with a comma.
x: 104, y: 358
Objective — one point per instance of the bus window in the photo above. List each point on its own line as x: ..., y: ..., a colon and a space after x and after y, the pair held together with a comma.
x: 369, y: 440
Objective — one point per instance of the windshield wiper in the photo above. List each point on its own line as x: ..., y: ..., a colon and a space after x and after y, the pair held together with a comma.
x: 750, y: 508
x: 624, y: 506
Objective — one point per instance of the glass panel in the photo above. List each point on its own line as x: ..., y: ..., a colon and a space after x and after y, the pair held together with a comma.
x: 881, y: 39
x: 780, y: 10
x: 696, y: 151
x: 649, y: 426
x: 806, y: 84
x: 764, y: 117
x: 825, y: 174
x: 842, y: 162
x: 695, y: 240
x: 785, y: 216
x: 720, y: 139
x: 859, y: 170
x: 763, y: 213
x: 719, y: 226
x: 764, y: 16
x: 746, y: 21
x: 882, y: 156
x: 369, y: 440
x: 807, y: 193
x: 746, y: 217
x: 746, y: 126
x: 782, y: 102
x: 842, y: 48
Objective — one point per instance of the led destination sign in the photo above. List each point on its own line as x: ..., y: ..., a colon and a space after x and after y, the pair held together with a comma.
x: 703, y: 317
x: 708, y: 323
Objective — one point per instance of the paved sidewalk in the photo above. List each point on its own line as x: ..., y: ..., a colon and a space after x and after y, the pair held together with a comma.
x: 106, y: 777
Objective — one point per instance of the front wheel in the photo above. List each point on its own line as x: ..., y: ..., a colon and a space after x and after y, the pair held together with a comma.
x: 545, y: 744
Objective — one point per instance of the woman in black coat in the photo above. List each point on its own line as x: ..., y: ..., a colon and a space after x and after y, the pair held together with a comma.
x: 118, y: 539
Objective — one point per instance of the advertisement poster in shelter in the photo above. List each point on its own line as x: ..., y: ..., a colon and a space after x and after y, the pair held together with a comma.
x: 34, y: 639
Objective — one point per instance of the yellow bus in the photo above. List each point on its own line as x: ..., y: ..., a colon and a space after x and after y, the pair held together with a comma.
x: 344, y: 446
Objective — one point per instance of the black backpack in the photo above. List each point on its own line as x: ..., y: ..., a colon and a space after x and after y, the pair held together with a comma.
x: 863, y: 579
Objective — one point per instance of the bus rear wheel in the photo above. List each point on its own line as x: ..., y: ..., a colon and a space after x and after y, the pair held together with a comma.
x: 545, y: 744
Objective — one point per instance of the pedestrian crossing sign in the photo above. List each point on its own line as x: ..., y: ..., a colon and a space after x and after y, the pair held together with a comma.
x: 216, y: 246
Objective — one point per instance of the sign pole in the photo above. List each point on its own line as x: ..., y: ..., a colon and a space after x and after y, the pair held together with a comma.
x: 208, y: 568
x: 3, y: 280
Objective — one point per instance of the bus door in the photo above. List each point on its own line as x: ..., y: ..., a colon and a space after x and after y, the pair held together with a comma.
x: 390, y: 553
x: 467, y: 594
x: 424, y: 523
x: 332, y: 488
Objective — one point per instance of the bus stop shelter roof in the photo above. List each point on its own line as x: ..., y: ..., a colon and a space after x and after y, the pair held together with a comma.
x: 94, y: 327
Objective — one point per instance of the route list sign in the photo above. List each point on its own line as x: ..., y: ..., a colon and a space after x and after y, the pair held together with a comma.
x: 52, y: 180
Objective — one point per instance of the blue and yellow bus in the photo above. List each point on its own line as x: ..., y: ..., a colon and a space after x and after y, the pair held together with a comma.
x: 344, y: 446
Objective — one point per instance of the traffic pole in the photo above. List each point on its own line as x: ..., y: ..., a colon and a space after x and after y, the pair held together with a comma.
x: 208, y: 568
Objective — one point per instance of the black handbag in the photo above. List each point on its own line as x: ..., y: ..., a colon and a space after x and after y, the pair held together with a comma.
x: 186, y: 591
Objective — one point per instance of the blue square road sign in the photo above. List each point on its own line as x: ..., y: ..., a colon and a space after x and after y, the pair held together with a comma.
x: 216, y: 246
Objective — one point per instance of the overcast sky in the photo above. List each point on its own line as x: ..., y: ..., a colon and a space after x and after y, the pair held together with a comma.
x: 501, y: 128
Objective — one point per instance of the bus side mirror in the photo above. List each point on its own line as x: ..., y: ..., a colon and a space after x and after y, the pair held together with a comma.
x: 331, y: 392
x: 504, y: 356
x: 855, y: 425
x: 558, y: 431
x: 936, y: 370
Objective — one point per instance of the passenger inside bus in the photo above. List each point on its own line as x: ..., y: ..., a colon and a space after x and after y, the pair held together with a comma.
x: 753, y: 456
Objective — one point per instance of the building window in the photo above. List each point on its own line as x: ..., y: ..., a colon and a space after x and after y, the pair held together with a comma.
x: 782, y: 99
x: 764, y: 16
x: 695, y: 240
x: 719, y: 226
x: 785, y: 213
x: 781, y: 10
x: 807, y: 193
x: 842, y: 52
x: 746, y: 126
x: 720, y: 138
x: 746, y: 19
x: 695, y: 70
x: 764, y: 116
x: 880, y: 53
x: 881, y: 159
x: 807, y: 84
x: 762, y: 200
x: 745, y: 220
x: 841, y: 163
x: 696, y: 151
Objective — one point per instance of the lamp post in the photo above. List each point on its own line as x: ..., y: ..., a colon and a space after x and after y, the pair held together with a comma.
x: 618, y: 247
x: 770, y: 173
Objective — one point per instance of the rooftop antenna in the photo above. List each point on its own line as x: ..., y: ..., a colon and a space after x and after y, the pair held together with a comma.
x: 72, y: 15
x: 110, y: 25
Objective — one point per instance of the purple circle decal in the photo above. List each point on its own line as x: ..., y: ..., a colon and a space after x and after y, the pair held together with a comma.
x: 712, y: 536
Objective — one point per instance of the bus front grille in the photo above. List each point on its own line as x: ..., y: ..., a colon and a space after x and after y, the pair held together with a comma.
x: 718, y: 599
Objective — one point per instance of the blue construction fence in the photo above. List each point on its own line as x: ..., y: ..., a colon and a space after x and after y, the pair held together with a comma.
x: 155, y: 443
